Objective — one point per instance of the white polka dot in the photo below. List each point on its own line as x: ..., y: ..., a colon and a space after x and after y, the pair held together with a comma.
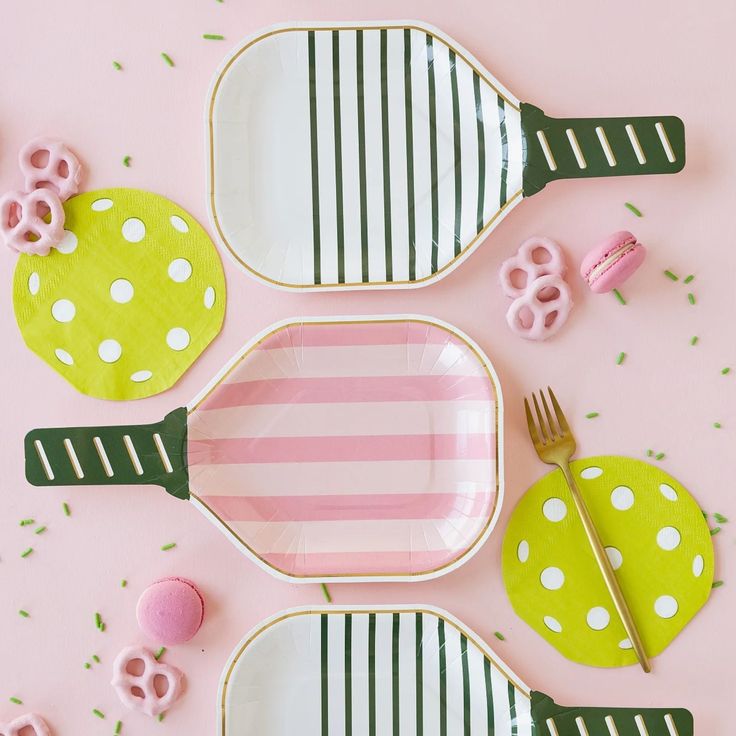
x: 552, y: 624
x: 100, y: 205
x: 180, y: 270
x: 625, y: 644
x: 141, y: 376
x: 63, y: 310
x: 177, y: 338
x: 615, y: 557
x: 109, y: 351
x: 63, y: 356
x: 591, y: 472
x: 209, y: 297
x: 134, y: 230
x: 598, y: 618
x: 121, y: 291
x: 698, y: 565
x: 665, y: 606
x: 34, y: 283
x: 554, y: 509
x: 622, y: 498
x: 179, y: 224
x: 522, y: 551
x: 552, y: 578
x: 668, y: 492
x: 668, y: 538
x: 68, y: 243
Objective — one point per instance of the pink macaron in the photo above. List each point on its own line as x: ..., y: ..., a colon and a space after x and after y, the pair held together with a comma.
x: 612, y: 261
x: 170, y: 611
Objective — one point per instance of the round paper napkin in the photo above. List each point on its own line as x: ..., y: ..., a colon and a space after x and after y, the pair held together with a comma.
x: 656, y: 538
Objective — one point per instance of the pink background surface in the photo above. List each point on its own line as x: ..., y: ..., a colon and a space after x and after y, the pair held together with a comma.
x: 629, y: 58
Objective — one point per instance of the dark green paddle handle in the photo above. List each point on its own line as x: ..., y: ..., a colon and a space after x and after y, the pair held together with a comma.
x: 135, y: 454
x: 551, y: 719
x: 574, y: 148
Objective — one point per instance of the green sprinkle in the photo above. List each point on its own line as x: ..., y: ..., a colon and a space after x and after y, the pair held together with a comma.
x: 671, y: 276
x: 717, y: 584
x: 715, y: 531
x: 17, y: 701
x: 499, y: 636
x: 23, y: 613
x: 650, y: 453
x: 633, y: 209
x: 619, y: 296
x: 694, y: 340
x: 160, y: 653
x: 167, y: 58
x: 27, y: 522
x: 621, y: 358
x: 96, y: 658
x: 126, y: 161
x: 98, y: 620
x: 725, y: 371
x: 161, y: 717
x: 123, y: 583
x: 592, y: 415
x: 705, y: 514
x: 98, y: 713
x: 717, y: 425
x: 326, y: 593
x: 40, y: 530
x: 720, y: 518
x: 688, y: 279
x: 87, y: 665
x: 118, y: 727
x: 117, y: 65
x: 659, y: 456
x: 168, y: 546
x: 691, y: 297
x: 27, y: 552
x: 213, y: 36
x: 102, y: 626
x: 67, y: 510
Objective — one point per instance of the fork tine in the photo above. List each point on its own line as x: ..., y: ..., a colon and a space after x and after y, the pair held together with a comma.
x: 542, y: 427
x: 564, y: 426
x: 553, y: 430
x: 533, y: 433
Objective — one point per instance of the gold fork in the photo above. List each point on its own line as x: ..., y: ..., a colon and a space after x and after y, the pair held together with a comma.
x: 555, y: 445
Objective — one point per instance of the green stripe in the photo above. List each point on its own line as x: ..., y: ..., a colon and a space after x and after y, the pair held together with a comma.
x: 395, y: 674
x: 324, y: 684
x: 433, y: 151
x: 386, y: 156
x: 361, y: 155
x: 490, y: 717
x: 410, y: 156
x: 337, y: 122
x: 348, y: 674
x: 315, y: 170
x: 419, y: 634
x: 512, y: 710
x: 372, y: 674
x: 458, y: 151
x: 504, y: 151
x: 466, y: 684
x: 481, y: 151
x: 443, y: 677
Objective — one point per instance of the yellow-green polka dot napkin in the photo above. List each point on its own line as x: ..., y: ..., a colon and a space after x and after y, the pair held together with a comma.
x: 655, y: 536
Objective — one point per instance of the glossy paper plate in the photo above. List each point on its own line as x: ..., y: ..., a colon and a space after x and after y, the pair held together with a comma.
x: 379, y: 155
x: 405, y: 671
x: 356, y: 448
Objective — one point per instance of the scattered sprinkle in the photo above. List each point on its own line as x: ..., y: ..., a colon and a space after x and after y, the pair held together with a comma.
x: 691, y: 297
x: 213, y: 36
x: 717, y: 425
x: 326, y: 593
x: 725, y: 371
x: 499, y: 636
x: 671, y: 276
x: 592, y: 415
x: 621, y: 358
x: 659, y: 456
x: 27, y: 522
x: 40, y: 530
x: 123, y: 583
x: 161, y: 717
x: 23, y: 613
x: 27, y: 552
x: 717, y: 584
x: 87, y: 665
x: 117, y: 65
x: 159, y: 653
x: 619, y: 296
x: 67, y: 510
x: 705, y: 514
x: 167, y: 58
x: 715, y: 531
x: 96, y: 658
x: 168, y: 546
x: 98, y: 620
x: 694, y: 340
x: 98, y: 713
x: 126, y: 161
x: 17, y: 701
x: 688, y: 279
x: 650, y: 453
x: 118, y: 727
x: 720, y: 518
x: 633, y: 209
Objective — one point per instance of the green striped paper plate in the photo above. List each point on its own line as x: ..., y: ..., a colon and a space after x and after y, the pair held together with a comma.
x: 405, y: 671
x: 379, y: 155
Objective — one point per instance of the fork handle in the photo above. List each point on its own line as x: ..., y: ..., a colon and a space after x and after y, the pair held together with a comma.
x: 606, y: 569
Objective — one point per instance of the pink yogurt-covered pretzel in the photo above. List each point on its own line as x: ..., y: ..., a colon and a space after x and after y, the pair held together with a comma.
x: 525, y: 263
x: 33, y: 222
x: 138, y: 692
x: 547, y: 301
x: 48, y: 164
x: 29, y: 724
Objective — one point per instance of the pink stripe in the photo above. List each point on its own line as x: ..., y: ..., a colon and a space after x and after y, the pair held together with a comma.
x: 360, y: 333
x: 349, y: 389
x: 341, y: 449
x: 364, y: 507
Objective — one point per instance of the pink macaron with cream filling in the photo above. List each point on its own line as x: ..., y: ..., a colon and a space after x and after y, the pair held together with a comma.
x: 610, y: 263
x: 170, y: 611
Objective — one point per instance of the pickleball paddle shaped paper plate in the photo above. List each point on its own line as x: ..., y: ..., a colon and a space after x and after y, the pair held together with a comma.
x: 403, y: 670
x: 357, y: 449
x: 379, y: 155
x: 656, y: 538
x: 128, y: 301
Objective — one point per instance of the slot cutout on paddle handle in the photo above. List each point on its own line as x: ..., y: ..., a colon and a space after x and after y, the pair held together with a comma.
x: 144, y: 454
